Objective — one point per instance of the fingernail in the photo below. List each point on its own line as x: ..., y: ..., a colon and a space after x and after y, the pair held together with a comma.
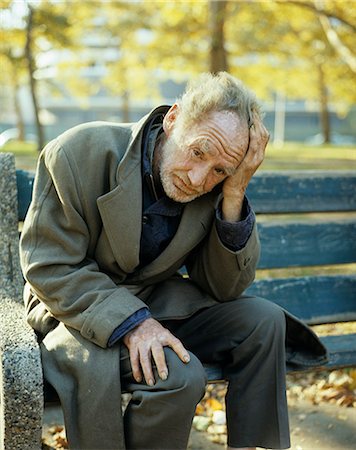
x: 163, y: 375
x: 138, y: 379
x: 186, y: 358
x: 150, y: 382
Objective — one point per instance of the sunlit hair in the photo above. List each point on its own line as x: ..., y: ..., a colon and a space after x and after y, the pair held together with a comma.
x: 216, y: 92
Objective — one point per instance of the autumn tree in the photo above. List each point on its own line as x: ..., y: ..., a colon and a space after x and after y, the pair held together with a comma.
x: 282, y: 48
x: 43, y: 26
x: 128, y: 76
x: 217, y: 17
x: 326, y: 34
x: 13, y: 70
x: 275, y: 47
x: 295, y: 49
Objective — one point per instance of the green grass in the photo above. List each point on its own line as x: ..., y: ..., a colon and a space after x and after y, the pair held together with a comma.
x: 21, y: 148
x: 298, y: 156
x: 25, y: 154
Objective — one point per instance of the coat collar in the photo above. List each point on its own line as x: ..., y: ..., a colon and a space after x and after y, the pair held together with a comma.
x: 133, y: 154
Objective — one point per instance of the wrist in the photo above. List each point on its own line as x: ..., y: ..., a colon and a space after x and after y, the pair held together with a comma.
x: 231, y: 208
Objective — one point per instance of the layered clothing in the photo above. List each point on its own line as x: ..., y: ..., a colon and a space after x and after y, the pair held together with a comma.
x: 80, y: 254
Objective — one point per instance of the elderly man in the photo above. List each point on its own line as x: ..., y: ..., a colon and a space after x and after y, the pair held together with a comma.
x: 117, y: 210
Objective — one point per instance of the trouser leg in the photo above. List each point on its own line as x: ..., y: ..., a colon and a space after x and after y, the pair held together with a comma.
x: 160, y: 417
x: 87, y: 380
x: 247, y: 337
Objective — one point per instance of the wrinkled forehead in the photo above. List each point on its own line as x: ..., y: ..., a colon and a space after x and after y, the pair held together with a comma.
x: 223, y: 130
x: 225, y: 125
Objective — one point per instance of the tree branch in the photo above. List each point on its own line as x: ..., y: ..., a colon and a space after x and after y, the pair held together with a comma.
x: 311, y: 6
x: 334, y: 40
x: 331, y: 35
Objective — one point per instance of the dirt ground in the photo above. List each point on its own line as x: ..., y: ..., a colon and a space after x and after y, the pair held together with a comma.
x: 313, y: 427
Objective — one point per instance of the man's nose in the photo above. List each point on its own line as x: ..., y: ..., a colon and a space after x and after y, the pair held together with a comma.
x: 197, y: 175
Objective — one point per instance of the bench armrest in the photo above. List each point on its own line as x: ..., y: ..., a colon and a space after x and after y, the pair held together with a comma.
x: 21, y: 382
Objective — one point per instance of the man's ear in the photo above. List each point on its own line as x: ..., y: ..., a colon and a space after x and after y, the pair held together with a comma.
x: 170, y: 119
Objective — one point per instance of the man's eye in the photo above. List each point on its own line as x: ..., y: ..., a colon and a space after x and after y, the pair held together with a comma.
x: 197, y: 153
x: 220, y: 172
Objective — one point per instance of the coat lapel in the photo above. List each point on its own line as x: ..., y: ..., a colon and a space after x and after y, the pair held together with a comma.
x: 121, y: 208
x: 121, y: 213
x: 194, y: 226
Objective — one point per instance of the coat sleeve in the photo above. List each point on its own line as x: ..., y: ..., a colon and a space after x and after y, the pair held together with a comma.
x: 55, y: 258
x: 224, y: 273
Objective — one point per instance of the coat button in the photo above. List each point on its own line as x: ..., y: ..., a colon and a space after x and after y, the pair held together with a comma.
x: 90, y: 333
x: 145, y: 220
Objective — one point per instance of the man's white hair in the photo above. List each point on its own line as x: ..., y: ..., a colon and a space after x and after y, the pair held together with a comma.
x: 216, y: 92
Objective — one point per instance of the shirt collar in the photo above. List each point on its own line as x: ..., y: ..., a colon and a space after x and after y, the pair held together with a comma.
x: 152, y: 135
x: 161, y: 203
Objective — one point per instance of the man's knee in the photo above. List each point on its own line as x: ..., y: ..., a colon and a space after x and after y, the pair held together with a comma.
x: 259, y: 336
x: 270, y: 317
x: 254, y: 316
x: 189, y: 378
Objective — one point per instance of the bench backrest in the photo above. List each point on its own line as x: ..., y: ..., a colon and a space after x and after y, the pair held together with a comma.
x: 305, y: 219
x: 308, y: 219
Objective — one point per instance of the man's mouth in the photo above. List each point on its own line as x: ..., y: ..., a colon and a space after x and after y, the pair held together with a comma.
x: 182, y: 186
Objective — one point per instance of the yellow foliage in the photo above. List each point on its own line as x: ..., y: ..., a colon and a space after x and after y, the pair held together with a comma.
x: 214, y: 404
x: 271, y: 45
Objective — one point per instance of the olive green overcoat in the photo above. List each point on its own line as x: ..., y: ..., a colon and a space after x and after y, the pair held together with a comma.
x: 81, y: 238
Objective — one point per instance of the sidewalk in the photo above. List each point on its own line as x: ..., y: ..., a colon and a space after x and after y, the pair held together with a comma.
x: 321, y: 427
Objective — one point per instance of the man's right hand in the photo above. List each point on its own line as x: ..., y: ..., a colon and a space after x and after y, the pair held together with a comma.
x: 145, y: 343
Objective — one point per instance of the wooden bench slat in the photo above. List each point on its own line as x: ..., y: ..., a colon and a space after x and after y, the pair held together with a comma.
x: 24, y: 191
x: 342, y: 351
x: 316, y: 300
x: 295, y: 244
x: 303, y: 191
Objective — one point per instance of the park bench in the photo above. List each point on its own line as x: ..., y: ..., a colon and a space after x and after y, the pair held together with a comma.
x: 292, y: 233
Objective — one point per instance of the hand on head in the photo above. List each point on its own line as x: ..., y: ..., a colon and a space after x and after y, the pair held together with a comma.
x: 234, y: 187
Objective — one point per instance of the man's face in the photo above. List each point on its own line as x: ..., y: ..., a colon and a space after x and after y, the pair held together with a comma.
x: 193, y: 161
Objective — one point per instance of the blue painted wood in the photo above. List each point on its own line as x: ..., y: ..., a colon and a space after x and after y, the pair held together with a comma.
x: 342, y: 350
x: 214, y: 373
x: 314, y: 299
x: 24, y: 191
x: 303, y: 191
x: 288, y: 244
x: 272, y: 192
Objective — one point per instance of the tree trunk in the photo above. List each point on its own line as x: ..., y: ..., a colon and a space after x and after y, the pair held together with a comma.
x: 33, y: 84
x: 125, y: 107
x: 19, y: 116
x: 324, y: 111
x: 218, y: 54
x: 279, y: 119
